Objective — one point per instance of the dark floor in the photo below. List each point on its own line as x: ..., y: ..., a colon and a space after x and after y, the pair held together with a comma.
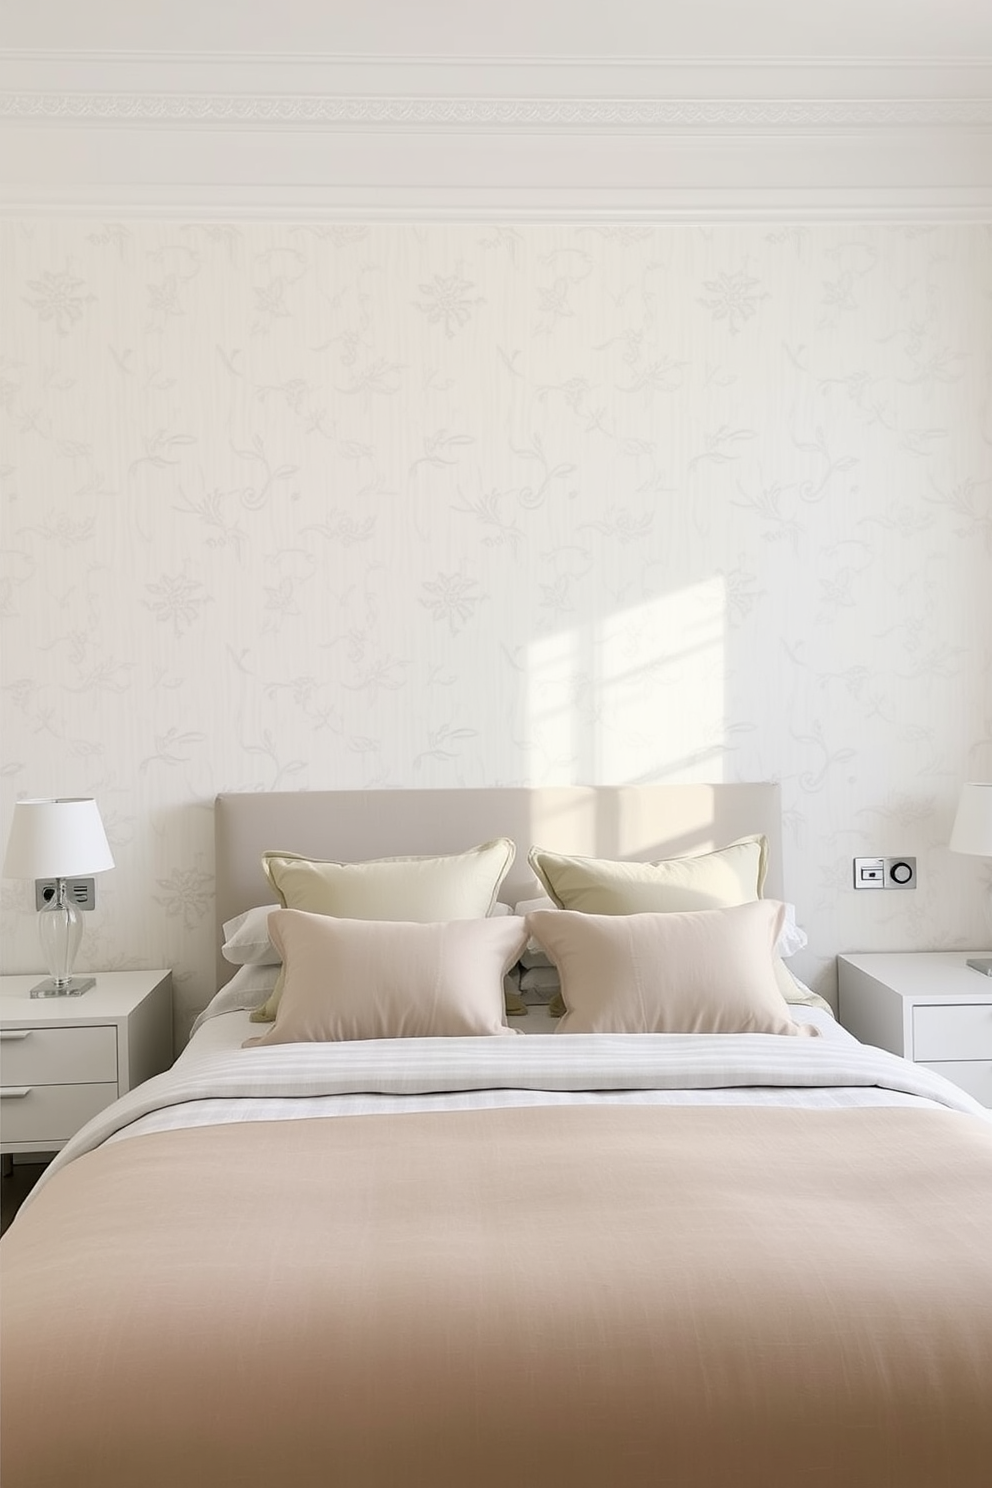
x: 15, y: 1183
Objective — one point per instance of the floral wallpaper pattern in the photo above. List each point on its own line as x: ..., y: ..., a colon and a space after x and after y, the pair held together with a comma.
x: 347, y: 505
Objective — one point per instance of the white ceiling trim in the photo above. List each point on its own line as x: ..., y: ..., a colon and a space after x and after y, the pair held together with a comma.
x: 540, y: 138
x: 530, y: 113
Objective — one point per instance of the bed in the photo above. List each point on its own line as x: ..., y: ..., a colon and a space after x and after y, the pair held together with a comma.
x: 398, y: 1254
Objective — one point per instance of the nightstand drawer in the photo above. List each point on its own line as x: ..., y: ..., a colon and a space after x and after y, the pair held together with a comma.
x: 45, y: 1116
x: 58, y: 1056
x: 959, y: 1031
x: 973, y: 1075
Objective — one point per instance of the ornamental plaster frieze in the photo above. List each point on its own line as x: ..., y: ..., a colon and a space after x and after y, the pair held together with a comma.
x: 593, y: 114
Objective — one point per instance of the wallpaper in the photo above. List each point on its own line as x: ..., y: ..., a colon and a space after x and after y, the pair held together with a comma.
x: 347, y: 505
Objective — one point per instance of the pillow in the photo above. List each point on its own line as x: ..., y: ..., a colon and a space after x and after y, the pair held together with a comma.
x: 248, y: 988
x: 459, y: 886
x: 367, y: 979
x: 792, y: 937
x: 713, y: 880
x: 246, y: 938
x: 696, y: 971
x: 539, y: 974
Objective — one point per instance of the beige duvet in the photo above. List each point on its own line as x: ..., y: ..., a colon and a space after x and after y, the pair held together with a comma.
x: 549, y: 1297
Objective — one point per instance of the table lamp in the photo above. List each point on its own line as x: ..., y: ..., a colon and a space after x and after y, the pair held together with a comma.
x: 59, y: 838
x: 972, y: 833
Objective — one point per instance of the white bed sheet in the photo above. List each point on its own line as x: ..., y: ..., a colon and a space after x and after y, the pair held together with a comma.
x: 219, y: 1041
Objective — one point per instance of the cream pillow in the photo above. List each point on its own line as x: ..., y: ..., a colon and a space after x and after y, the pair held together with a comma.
x: 698, y: 971
x: 713, y: 880
x: 457, y: 886
x: 365, y: 979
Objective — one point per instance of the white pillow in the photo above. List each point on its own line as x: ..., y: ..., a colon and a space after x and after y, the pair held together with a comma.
x: 246, y: 938
x: 791, y: 938
x: 248, y: 989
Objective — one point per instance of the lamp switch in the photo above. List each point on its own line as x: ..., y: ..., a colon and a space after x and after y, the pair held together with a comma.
x: 81, y: 891
x: 885, y: 873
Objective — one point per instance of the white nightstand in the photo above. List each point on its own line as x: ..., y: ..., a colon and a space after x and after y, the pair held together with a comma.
x: 928, y: 1006
x: 62, y: 1059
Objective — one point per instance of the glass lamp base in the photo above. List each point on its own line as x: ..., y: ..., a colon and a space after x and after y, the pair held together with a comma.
x: 60, y: 929
x: 74, y: 987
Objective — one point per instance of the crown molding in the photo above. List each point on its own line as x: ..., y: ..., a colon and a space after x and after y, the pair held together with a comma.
x: 596, y: 114
x: 452, y: 138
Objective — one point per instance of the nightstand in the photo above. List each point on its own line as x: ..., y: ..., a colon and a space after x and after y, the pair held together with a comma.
x: 928, y: 1006
x: 62, y: 1059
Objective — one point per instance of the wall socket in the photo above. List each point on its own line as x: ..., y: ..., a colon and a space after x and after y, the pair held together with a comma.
x: 80, y: 891
x: 885, y: 873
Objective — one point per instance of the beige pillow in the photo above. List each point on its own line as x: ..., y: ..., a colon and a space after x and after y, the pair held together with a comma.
x: 457, y: 886
x: 700, y: 971
x: 369, y: 979
x: 713, y: 880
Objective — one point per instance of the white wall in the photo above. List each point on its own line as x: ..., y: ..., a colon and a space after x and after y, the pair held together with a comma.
x: 313, y: 504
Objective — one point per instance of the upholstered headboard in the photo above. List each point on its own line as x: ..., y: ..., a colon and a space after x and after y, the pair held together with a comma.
x: 636, y: 821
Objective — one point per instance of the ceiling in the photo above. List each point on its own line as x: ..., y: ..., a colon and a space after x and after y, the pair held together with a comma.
x: 526, y: 108
x: 517, y: 28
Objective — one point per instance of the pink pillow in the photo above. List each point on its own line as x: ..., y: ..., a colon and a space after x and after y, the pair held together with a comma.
x: 698, y: 971
x: 366, y: 979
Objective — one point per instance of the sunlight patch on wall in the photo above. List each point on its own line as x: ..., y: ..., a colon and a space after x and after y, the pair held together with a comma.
x: 638, y: 697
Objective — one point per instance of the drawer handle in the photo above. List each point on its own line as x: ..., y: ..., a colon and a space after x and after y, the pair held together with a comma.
x: 14, y: 1035
x: 14, y: 1092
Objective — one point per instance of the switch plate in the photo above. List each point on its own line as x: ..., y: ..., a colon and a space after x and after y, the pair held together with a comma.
x: 885, y: 873
x: 80, y: 891
x: 900, y: 873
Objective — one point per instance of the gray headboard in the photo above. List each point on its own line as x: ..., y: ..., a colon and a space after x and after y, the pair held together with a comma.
x: 629, y: 821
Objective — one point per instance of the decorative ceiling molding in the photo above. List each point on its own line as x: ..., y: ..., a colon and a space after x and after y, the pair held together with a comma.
x: 200, y: 134
x: 489, y: 113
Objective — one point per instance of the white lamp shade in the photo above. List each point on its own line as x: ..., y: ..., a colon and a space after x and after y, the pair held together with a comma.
x: 61, y: 838
x: 972, y: 832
